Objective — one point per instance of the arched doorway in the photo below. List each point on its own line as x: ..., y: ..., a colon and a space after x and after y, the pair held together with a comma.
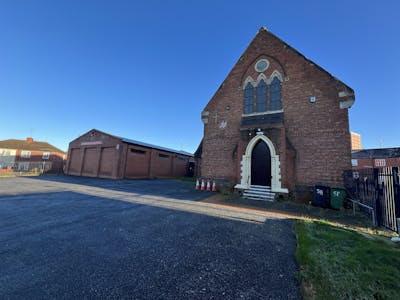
x: 261, y: 164
x: 246, y: 163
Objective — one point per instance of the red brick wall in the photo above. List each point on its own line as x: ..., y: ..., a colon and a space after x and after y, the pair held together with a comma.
x: 365, y: 163
x: 56, y: 159
x: 95, y: 154
x: 137, y: 162
x: 313, y: 141
x: 98, y: 154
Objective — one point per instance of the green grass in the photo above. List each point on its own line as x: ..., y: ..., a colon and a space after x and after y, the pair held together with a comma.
x: 188, y: 179
x: 338, y: 263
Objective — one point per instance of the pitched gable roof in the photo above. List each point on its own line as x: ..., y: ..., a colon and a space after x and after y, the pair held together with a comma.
x: 31, y: 146
x: 349, y: 92
x: 264, y: 29
x: 139, y: 143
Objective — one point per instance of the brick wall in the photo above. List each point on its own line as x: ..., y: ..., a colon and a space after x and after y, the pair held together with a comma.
x: 97, y: 154
x: 313, y: 140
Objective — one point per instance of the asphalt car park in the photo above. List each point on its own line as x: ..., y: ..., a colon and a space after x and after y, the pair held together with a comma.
x: 73, y: 237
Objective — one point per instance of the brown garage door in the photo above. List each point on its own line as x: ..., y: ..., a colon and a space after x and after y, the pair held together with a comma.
x: 107, y: 162
x: 90, y: 162
x: 162, y: 163
x: 75, y: 162
x: 137, y: 163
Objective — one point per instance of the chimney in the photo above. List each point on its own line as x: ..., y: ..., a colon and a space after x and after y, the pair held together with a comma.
x: 29, y: 140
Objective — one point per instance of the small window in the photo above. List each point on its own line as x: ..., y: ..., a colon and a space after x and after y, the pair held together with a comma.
x: 137, y: 151
x: 381, y: 162
x: 163, y: 155
x: 23, y: 166
x: 261, y: 65
x: 46, y: 155
x: 25, y: 154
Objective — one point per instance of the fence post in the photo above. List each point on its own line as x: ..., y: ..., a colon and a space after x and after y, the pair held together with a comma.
x: 396, y: 194
x: 378, y: 198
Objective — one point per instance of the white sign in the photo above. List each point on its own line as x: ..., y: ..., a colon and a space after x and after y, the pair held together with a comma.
x: 223, y: 124
x: 91, y: 143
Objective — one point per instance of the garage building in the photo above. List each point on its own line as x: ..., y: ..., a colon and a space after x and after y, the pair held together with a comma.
x: 99, y: 154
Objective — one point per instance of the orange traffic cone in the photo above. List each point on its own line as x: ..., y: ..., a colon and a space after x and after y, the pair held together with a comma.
x: 197, y: 184
x: 214, y: 187
x: 208, y: 185
x: 203, y: 187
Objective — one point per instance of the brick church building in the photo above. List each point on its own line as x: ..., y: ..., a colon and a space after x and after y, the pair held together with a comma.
x: 278, y: 121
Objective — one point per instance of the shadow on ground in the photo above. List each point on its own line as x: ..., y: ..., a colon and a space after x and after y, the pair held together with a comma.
x: 173, y: 188
x: 165, y: 188
x: 70, y: 244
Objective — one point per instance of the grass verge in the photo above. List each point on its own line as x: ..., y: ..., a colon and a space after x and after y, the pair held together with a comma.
x: 338, y: 263
x: 188, y: 179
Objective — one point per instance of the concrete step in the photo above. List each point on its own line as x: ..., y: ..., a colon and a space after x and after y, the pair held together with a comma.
x: 260, y: 187
x: 257, y: 192
x: 261, y: 193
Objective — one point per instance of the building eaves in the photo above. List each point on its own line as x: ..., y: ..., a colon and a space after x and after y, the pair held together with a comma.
x: 134, y: 142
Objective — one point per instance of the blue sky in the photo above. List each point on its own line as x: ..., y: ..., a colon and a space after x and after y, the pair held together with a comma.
x: 145, y: 69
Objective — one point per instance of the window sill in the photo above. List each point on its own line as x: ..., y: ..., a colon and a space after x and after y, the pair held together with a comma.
x: 263, y: 113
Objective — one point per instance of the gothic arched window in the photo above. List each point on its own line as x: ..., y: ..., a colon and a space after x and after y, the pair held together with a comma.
x: 265, y: 97
x: 261, y: 100
x: 275, y: 95
x: 249, y: 99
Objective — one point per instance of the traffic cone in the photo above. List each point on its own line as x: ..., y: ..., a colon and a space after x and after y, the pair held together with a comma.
x: 214, y: 187
x: 202, y: 185
x: 197, y: 184
x: 208, y: 185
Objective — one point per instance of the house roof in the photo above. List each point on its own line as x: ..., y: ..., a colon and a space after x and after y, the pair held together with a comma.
x: 376, y: 153
x: 28, y: 145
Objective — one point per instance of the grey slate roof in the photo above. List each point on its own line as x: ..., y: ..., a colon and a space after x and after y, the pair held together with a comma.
x: 129, y: 141
x: 376, y: 153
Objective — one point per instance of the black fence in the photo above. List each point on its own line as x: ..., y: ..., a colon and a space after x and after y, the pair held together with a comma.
x: 377, y: 190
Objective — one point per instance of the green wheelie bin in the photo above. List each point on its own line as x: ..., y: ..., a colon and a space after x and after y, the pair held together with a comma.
x: 338, y: 195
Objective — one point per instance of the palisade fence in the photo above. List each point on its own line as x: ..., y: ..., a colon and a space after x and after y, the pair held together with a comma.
x: 376, y: 190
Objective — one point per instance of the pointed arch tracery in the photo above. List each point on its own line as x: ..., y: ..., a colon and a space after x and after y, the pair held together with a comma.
x: 263, y: 95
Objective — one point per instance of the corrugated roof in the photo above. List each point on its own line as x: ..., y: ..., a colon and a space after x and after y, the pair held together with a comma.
x: 139, y: 143
x: 129, y: 141
x: 376, y: 153
x: 31, y: 146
